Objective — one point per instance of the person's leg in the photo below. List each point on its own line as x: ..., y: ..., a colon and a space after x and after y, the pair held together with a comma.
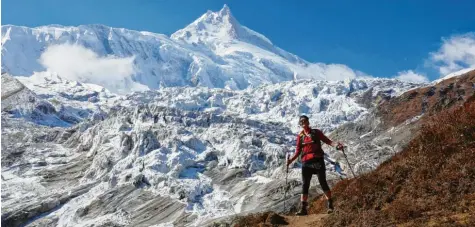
x: 306, y: 178
x: 322, y: 179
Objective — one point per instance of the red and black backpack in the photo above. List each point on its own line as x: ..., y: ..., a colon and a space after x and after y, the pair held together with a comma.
x: 313, y: 135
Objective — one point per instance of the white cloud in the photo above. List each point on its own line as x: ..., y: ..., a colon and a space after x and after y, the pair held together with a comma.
x: 456, y: 53
x: 330, y: 72
x: 75, y: 62
x: 411, y: 76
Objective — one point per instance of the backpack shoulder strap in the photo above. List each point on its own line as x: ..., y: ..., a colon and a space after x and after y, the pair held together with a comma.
x: 313, y: 134
x: 302, y: 137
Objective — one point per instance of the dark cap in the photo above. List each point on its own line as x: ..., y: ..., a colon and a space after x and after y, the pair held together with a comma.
x: 303, y: 116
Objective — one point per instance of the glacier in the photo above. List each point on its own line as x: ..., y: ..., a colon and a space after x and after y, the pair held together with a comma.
x: 197, y: 154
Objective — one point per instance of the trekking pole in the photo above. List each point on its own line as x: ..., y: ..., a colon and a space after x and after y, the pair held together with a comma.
x: 286, y: 175
x: 349, y: 165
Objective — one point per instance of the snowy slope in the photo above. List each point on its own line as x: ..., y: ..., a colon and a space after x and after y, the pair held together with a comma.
x: 56, y: 89
x: 45, y: 107
x: 211, y: 152
x: 180, y: 155
x: 450, y: 75
x: 214, y: 51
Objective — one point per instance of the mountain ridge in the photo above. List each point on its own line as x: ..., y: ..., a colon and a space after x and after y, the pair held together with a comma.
x: 246, y: 59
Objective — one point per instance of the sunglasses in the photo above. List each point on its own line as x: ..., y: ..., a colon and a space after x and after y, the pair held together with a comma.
x: 301, y: 122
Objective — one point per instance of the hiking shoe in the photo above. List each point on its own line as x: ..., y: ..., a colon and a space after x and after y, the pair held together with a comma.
x: 303, y: 210
x: 329, y: 206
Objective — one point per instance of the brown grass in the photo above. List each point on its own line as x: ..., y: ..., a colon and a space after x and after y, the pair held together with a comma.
x: 428, y: 100
x: 431, y: 183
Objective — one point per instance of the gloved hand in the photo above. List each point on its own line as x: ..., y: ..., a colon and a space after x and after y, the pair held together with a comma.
x: 339, y: 146
x: 289, y: 161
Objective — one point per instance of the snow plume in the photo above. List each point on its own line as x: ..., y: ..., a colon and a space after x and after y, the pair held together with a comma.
x: 77, y: 63
x: 456, y: 53
x: 411, y: 76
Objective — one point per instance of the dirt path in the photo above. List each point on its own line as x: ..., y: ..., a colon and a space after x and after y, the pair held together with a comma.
x: 270, y: 218
x: 309, y: 220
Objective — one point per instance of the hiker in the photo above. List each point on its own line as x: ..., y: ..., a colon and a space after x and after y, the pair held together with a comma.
x: 309, y: 145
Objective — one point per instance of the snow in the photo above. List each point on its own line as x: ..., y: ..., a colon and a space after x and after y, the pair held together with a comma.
x: 20, y: 187
x: 167, y: 224
x: 454, y: 74
x: 172, y: 152
x: 67, y: 213
x: 260, y: 179
x: 214, y: 51
x: 238, y: 206
x: 327, y: 103
x: 10, y: 86
x: 218, y: 203
x: 168, y: 138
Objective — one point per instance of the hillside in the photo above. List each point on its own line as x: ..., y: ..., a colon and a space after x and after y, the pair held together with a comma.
x: 431, y: 182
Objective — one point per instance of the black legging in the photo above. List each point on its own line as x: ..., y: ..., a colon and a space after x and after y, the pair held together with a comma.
x: 316, y: 166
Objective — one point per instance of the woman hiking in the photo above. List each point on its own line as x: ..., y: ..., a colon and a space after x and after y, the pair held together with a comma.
x: 309, y: 145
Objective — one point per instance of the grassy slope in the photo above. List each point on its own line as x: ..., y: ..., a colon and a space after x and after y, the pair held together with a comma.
x: 431, y: 182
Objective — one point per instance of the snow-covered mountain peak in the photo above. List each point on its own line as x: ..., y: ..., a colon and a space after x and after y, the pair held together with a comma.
x: 225, y: 10
x: 222, y: 33
x: 211, y: 25
x: 214, y: 51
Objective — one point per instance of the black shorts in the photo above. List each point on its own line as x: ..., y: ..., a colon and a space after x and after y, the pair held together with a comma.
x: 314, y: 166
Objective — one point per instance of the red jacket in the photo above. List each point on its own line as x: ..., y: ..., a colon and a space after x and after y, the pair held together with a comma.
x: 311, y: 150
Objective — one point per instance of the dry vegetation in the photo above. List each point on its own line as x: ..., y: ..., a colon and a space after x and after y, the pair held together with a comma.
x: 431, y: 183
x: 427, y: 100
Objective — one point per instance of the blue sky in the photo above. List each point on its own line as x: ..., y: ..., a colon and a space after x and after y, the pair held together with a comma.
x: 380, y: 38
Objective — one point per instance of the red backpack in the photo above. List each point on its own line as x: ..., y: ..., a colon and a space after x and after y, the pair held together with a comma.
x: 313, y: 135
